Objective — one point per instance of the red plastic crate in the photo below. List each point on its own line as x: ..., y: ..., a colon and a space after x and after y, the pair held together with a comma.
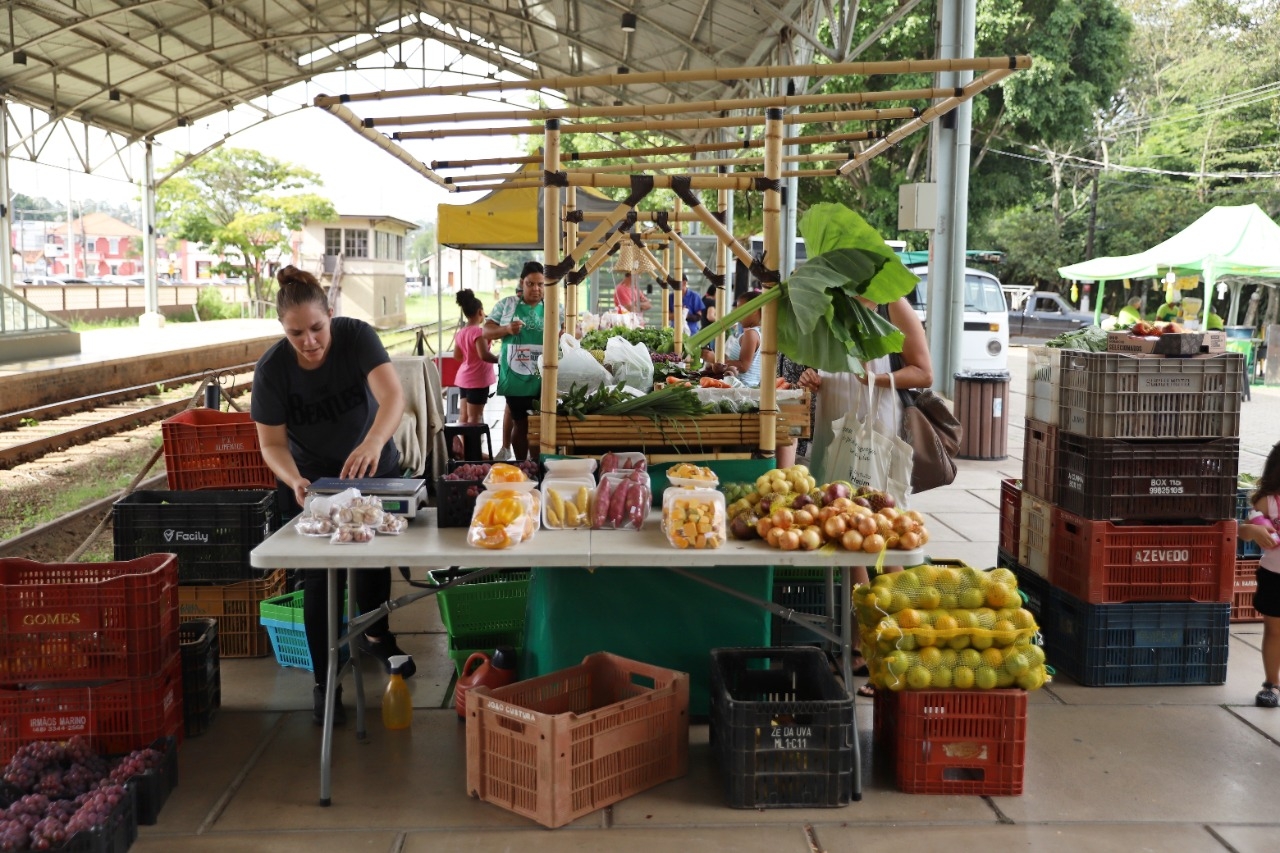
x: 117, y: 717
x: 954, y: 741
x: 1246, y: 585
x: 1040, y: 460
x: 1103, y: 563
x: 209, y: 449
x: 1010, y: 516
x: 87, y: 621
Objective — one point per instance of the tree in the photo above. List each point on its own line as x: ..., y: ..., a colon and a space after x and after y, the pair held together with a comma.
x: 242, y: 205
x: 422, y: 246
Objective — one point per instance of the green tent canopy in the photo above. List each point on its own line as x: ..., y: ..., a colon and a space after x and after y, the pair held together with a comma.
x: 1226, y: 241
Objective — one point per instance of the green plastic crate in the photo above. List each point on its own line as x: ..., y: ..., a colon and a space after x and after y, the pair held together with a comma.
x: 483, y: 614
x: 281, y: 617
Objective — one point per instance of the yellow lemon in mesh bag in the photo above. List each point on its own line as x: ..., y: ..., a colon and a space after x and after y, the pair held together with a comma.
x: 1003, y: 576
x: 1016, y: 663
x: 962, y: 678
x: 906, y: 580
x: 948, y: 581
x: 887, y: 629
x: 908, y: 643
x: 992, y: 658
x: 928, y: 598
x: 1023, y: 619
x: 1032, y: 679
x: 986, y: 617
x: 925, y: 636
x: 945, y: 624
x: 985, y: 678
x: 897, y: 663
x: 909, y: 618
x: 898, y: 602
x: 1035, y: 654
x: 931, y: 658
x: 918, y: 678
x: 1000, y: 595
x: 949, y: 658
x: 981, y: 639
x: 942, y: 679
x: 949, y: 601
x: 1003, y: 678
x: 925, y: 574
x: 971, y: 598
x: 969, y: 658
x: 1004, y: 632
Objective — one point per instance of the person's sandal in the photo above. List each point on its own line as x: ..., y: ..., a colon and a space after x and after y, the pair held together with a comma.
x: 867, y: 690
x: 1268, y: 696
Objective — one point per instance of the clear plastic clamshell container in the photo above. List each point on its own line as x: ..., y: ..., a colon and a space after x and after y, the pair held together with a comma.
x: 503, y: 475
x: 504, y: 518
x: 694, y: 518
x: 567, y: 504
x: 623, y: 500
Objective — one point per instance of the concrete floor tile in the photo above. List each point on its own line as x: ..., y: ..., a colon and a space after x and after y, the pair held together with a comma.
x: 410, y: 779
x: 692, y: 839
x: 1265, y: 720
x: 1248, y: 839
x: 1244, y: 676
x: 1134, y: 764
x: 349, y: 841
x: 1060, y: 838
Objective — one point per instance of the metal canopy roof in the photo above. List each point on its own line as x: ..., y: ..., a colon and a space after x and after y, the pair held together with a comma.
x: 138, y: 68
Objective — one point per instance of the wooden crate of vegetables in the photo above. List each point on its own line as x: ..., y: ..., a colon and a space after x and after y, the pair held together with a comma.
x: 672, y: 416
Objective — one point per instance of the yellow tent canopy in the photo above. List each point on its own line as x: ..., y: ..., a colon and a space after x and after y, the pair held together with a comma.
x: 507, y: 219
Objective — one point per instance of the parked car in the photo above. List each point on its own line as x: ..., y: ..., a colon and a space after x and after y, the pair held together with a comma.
x: 49, y: 280
x: 986, y: 318
x: 1043, y: 314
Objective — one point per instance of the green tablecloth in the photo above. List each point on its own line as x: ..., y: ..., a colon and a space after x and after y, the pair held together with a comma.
x: 647, y: 614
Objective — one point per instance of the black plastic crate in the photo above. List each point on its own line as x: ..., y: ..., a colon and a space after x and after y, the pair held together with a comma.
x: 201, y: 674
x: 1245, y: 550
x: 804, y: 591
x: 456, y: 499
x: 1005, y: 560
x: 116, y: 836
x: 1035, y: 589
x: 1112, y: 645
x: 212, y: 532
x: 1115, y: 479
x: 151, y: 789
x: 782, y: 728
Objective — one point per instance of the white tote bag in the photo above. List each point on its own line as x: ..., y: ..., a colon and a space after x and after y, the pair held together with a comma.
x: 866, y: 452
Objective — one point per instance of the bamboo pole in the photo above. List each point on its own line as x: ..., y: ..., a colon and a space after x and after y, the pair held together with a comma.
x: 602, y: 180
x: 598, y: 233
x: 601, y: 254
x: 564, y: 82
x: 676, y: 267
x: 570, y: 237
x: 662, y: 126
x: 662, y: 150
x: 726, y: 239
x: 720, y: 105
x: 354, y: 122
x: 683, y: 165
x: 722, y: 255
x: 973, y: 88
x: 772, y: 253
x: 551, y: 298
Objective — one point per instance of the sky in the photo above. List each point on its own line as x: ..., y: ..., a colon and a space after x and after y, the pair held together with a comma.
x: 358, y: 177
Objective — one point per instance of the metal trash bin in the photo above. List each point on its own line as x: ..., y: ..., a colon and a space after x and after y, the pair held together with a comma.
x: 982, y: 405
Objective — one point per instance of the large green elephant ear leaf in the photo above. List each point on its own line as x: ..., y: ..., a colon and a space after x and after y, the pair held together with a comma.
x: 830, y: 227
x: 833, y: 351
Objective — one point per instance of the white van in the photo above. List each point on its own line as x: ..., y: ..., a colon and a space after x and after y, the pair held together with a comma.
x: 985, y: 344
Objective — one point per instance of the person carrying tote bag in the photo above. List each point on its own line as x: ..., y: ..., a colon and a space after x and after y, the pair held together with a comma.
x: 866, y: 449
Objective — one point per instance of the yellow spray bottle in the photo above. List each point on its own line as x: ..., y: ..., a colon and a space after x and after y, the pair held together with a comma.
x: 397, y: 704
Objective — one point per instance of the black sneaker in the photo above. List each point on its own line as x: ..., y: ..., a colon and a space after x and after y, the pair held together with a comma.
x: 383, y: 649
x: 317, y: 706
x: 1267, y: 697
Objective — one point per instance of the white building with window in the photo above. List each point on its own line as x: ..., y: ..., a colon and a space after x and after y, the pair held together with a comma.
x: 363, y: 258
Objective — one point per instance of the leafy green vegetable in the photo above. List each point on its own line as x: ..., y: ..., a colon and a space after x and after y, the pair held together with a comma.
x: 1088, y: 338
x: 821, y: 322
x: 655, y: 340
x: 671, y: 400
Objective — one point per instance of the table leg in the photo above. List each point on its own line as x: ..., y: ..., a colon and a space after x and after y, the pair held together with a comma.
x: 846, y: 658
x: 330, y: 692
x: 352, y: 636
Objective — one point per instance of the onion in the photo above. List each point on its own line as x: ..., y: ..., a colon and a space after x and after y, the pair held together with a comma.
x: 851, y: 540
x: 867, y: 525
x: 790, y: 540
x: 810, y: 539
x: 834, y: 526
x: 873, y: 544
x: 909, y: 541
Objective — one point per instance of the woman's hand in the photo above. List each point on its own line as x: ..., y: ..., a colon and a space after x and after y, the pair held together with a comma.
x: 300, y: 490
x: 810, y: 379
x: 363, y: 461
x: 1258, y: 535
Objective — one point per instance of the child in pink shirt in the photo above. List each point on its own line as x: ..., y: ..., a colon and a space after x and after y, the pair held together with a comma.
x: 476, y: 374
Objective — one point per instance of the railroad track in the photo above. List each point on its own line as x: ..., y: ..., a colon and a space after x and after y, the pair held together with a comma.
x: 28, y: 435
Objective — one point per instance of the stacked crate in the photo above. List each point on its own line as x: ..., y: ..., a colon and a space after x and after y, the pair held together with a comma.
x: 1127, y: 517
x: 89, y: 649
x: 220, y: 505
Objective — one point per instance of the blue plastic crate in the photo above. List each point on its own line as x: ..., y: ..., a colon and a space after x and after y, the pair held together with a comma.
x: 1111, y: 645
x: 282, y: 618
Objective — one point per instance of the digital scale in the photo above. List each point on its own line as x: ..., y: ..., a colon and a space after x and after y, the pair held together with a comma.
x: 398, y: 496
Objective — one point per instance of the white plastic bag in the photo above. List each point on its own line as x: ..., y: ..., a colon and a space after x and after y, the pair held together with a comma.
x: 867, y: 452
x: 578, y: 367
x: 629, y: 363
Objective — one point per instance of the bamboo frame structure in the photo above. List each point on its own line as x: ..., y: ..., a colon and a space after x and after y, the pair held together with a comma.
x: 575, y: 170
